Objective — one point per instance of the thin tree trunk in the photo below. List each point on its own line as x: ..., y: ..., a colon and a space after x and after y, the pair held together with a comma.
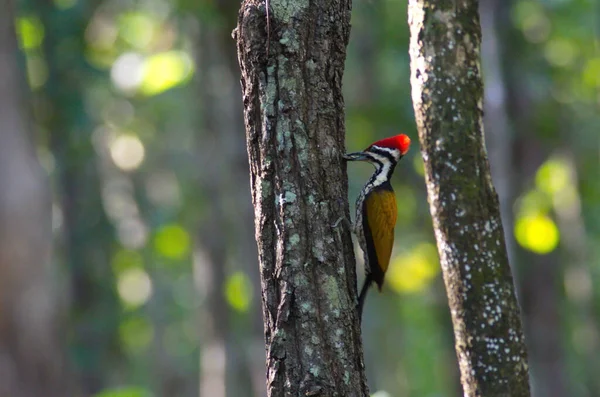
x: 579, y: 287
x: 32, y: 360
x: 225, y: 238
x: 292, y: 70
x: 499, y: 129
x: 212, y: 238
x: 88, y: 234
x: 447, y: 96
x: 508, y: 114
x: 538, y: 279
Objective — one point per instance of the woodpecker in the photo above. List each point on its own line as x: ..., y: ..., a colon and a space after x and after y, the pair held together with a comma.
x: 376, y: 209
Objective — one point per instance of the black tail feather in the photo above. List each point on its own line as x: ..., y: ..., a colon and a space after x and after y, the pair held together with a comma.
x: 363, y: 295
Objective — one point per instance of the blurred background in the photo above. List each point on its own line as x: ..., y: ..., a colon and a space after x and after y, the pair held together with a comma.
x: 137, y: 118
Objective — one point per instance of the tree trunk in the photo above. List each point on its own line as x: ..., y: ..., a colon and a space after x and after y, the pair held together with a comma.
x: 495, y: 20
x: 231, y: 365
x: 32, y: 360
x: 212, y: 239
x: 447, y: 94
x: 292, y: 70
x: 88, y: 234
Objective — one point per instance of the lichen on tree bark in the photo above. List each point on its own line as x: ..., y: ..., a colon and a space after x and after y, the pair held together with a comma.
x: 291, y: 81
x: 447, y: 95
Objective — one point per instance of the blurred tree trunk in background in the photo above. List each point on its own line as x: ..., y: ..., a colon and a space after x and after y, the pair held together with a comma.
x: 215, y: 157
x: 88, y: 235
x: 447, y: 95
x: 232, y: 363
x: 509, y: 112
x: 292, y: 66
x: 32, y: 361
x: 508, y: 116
x: 578, y: 283
x: 495, y: 21
x: 536, y: 278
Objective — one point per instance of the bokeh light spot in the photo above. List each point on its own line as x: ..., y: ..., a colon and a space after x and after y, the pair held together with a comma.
x: 137, y: 29
x: 101, y: 34
x: 134, y: 286
x: 127, y: 152
x: 591, y: 73
x: 132, y: 232
x: 136, y: 333
x: 552, y: 176
x: 164, y: 71
x: 560, y: 52
x: 30, y: 32
x: 127, y: 71
x: 414, y: 271
x: 172, y: 241
x: 125, y: 259
x: 537, y: 233
x: 532, y: 20
x: 238, y: 291
x: 37, y: 71
x: 534, y: 202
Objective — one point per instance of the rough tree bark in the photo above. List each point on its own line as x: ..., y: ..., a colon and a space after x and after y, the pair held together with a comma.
x: 292, y: 70
x: 32, y: 360
x: 447, y: 95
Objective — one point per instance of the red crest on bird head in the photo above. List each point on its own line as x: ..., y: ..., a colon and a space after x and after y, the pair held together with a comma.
x: 400, y: 142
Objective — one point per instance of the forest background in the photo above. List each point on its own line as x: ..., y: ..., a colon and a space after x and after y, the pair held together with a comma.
x: 137, y: 121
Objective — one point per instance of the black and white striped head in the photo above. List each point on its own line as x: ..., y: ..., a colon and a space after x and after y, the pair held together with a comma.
x: 384, y: 153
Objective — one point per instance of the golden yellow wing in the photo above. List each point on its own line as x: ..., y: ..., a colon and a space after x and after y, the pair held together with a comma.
x: 381, y: 213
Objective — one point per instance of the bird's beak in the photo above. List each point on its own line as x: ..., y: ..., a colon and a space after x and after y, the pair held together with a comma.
x: 356, y: 156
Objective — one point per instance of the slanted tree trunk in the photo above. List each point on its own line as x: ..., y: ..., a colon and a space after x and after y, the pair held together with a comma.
x: 32, y: 360
x: 291, y: 80
x: 447, y: 94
